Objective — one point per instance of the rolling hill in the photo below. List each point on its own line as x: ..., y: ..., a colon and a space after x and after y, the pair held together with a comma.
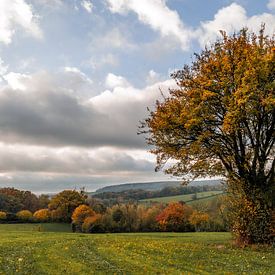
x: 152, y: 186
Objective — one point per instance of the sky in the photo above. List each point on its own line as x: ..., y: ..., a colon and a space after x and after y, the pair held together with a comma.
x: 77, y: 76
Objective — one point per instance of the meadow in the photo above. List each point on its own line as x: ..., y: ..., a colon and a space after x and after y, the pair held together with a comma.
x: 188, y: 198
x: 34, y: 252
x: 36, y: 227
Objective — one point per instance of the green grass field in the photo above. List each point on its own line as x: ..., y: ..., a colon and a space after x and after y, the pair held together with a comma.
x: 39, y: 227
x: 31, y: 252
x: 186, y: 198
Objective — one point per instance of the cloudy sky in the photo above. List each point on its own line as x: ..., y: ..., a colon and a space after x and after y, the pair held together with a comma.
x: 76, y: 77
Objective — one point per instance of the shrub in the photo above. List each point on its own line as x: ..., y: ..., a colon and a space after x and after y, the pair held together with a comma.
x: 24, y: 215
x: 93, y: 224
x: 3, y: 215
x: 251, y: 219
x: 42, y: 215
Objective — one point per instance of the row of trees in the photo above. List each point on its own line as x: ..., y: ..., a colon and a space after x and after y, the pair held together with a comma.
x: 13, y: 200
x: 175, y: 217
x: 135, y: 195
x: 42, y: 215
x: 17, y: 205
x: 90, y: 215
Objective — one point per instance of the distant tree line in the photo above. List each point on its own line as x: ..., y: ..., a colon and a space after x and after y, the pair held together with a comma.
x: 91, y: 215
x: 111, y: 198
x: 13, y: 200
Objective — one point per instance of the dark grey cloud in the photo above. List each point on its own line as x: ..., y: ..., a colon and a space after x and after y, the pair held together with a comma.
x: 52, y: 183
x: 44, y: 112
x: 70, y: 161
x: 56, y: 132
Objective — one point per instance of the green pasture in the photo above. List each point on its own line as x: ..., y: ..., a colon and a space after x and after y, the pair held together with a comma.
x: 32, y: 252
x: 186, y: 198
x: 38, y: 227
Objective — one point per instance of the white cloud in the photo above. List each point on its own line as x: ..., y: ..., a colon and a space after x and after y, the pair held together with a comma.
x: 113, y: 81
x: 3, y: 67
x: 233, y: 18
x: 87, y: 5
x: 62, y: 109
x: 50, y: 3
x: 271, y: 4
x: 157, y: 15
x: 126, y: 106
x: 153, y: 77
x: 17, y: 81
x: 14, y: 14
x: 100, y: 61
x: 114, y: 38
x: 70, y: 78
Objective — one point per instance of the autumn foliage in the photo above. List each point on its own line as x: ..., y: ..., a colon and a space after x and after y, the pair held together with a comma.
x: 81, y: 213
x: 92, y: 224
x: 220, y: 122
x: 24, y: 215
x: 175, y: 217
x: 3, y: 215
x: 64, y: 203
x: 198, y: 219
x: 42, y: 215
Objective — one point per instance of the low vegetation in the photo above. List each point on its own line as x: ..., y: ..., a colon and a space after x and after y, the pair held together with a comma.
x: 136, y: 253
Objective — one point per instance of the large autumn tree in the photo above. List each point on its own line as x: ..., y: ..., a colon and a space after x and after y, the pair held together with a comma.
x: 64, y: 203
x: 220, y: 122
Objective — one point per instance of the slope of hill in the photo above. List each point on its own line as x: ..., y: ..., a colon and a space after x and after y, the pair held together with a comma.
x: 186, y: 198
x: 152, y: 186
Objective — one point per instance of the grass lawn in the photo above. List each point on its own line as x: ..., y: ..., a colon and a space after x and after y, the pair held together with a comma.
x: 39, y: 227
x: 143, y: 253
x: 186, y: 198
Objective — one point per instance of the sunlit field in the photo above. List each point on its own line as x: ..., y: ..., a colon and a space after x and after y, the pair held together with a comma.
x: 188, y: 198
x: 32, y: 252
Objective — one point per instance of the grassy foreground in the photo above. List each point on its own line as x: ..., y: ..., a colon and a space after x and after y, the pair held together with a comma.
x: 148, y: 253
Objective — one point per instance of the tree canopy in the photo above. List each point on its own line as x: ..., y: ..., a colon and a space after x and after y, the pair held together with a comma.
x: 64, y: 203
x: 220, y: 120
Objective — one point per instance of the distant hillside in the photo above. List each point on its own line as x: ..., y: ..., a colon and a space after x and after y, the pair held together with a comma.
x: 152, y: 186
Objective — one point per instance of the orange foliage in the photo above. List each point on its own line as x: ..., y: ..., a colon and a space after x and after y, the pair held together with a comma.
x: 81, y: 213
x: 42, y: 215
x: 220, y: 122
x: 175, y: 217
x: 90, y: 222
x: 3, y: 215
